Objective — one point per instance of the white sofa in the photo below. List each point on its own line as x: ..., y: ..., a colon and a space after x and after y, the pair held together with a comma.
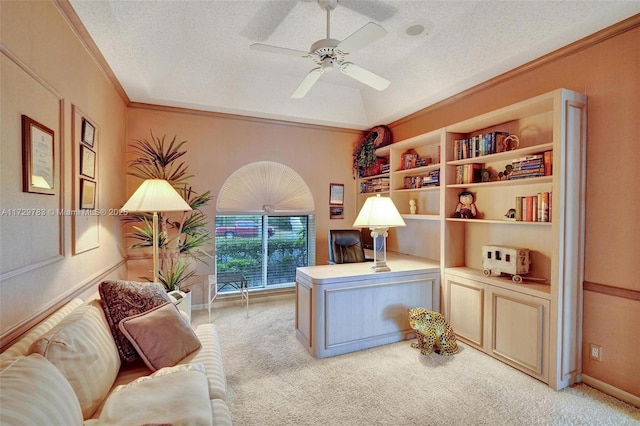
x: 67, y: 371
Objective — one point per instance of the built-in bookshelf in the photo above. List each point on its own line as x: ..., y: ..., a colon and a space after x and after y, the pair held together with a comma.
x: 417, y: 179
x: 532, y: 325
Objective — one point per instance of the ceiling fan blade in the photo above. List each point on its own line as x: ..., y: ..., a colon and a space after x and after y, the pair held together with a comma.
x: 364, y: 76
x: 374, y: 9
x: 279, y: 50
x: 361, y: 38
x: 307, y: 83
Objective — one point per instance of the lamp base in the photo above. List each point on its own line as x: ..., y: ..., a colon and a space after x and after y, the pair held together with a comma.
x: 379, y: 236
x: 380, y: 268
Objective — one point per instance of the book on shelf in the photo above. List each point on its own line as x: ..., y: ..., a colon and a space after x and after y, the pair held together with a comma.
x: 548, y: 161
x: 479, y: 145
x: 416, y: 182
x: 533, y: 208
x: 375, y: 185
x: 469, y: 173
x: 408, y: 160
x: 529, y: 166
x: 544, y: 207
x: 535, y: 165
x: 423, y: 161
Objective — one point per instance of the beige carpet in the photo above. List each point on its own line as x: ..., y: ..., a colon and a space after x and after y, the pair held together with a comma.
x: 273, y: 380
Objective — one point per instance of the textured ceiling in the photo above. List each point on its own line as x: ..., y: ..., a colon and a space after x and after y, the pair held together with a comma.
x: 195, y: 54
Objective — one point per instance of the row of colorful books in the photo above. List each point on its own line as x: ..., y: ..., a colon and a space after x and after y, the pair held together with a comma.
x: 416, y: 182
x: 535, y: 165
x: 534, y: 208
x: 479, y: 145
x: 532, y: 166
x: 469, y: 173
x: 375, y: 185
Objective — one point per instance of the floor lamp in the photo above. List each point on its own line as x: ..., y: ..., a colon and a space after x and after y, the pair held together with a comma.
x: 379, y: 214
x: 155, y: 195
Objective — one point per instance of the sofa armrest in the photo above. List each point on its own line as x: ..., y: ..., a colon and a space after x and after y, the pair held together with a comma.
x: 210, y: 355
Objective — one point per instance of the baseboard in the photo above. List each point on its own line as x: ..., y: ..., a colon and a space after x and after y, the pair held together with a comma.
x: 611, y: 390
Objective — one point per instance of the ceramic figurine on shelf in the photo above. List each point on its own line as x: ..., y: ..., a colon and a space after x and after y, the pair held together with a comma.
x: 412, y: 206
x: 466, y: 208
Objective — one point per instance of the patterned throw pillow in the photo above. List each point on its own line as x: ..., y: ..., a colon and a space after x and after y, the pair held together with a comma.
x: 122, y: 299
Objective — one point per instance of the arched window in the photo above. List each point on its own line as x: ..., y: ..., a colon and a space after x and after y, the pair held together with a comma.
x: 265, y: 225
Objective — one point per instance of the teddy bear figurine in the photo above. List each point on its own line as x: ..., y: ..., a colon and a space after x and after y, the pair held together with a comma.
x: 466, y: 208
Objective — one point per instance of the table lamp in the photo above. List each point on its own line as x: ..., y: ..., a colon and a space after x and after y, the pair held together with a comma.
x: 379, y: 214
x: 156, y: 195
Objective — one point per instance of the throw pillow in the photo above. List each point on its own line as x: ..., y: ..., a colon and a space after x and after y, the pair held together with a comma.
x: 161, y: 336
x: 34, y: 392
x: 122, y: 299
x: 82, y: 349
x: 153, y: 399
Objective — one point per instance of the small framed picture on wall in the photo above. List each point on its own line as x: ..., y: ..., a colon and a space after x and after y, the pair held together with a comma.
x: 336, y: 212
x: 87, y: 162
x: 38, y: 163
x: 87, y: 194
x: 88, y: 132
x: 336, y: 194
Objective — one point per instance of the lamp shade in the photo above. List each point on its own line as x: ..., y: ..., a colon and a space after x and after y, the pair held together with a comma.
x: 379, y: 212
x: 156, y: 195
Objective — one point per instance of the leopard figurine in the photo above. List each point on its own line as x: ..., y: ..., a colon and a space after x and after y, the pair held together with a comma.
x: 433, y: 332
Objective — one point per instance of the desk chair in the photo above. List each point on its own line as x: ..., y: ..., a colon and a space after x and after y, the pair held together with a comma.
x: 345, y: 246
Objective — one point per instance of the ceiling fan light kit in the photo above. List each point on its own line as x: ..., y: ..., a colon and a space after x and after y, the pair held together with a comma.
x: 329, y: 53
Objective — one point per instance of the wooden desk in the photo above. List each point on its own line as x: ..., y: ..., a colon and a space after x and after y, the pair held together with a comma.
x: 346, y: 308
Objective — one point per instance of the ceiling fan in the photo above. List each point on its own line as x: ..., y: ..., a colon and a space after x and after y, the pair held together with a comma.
x: 329, y: 53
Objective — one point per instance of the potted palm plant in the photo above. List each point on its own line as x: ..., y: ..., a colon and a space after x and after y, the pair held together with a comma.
x: 183, y: 237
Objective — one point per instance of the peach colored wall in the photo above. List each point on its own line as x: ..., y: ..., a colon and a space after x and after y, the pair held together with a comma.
x: 46, y: 71
x: 608, y: 72
x: 219, y: 144
x: 612, y: 323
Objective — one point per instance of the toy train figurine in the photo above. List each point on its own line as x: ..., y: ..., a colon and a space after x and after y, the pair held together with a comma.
x: 497, y: 260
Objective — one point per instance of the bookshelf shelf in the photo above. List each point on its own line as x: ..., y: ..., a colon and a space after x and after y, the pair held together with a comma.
x: 374, y: 176
x: 528, y: 286
x: 507, y: 155
x: 417, y: 170
x: 423, y: 189
x: 501, y: 222
x: 374, y: 192
x: 421, y: 217
x: 498, y: 183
